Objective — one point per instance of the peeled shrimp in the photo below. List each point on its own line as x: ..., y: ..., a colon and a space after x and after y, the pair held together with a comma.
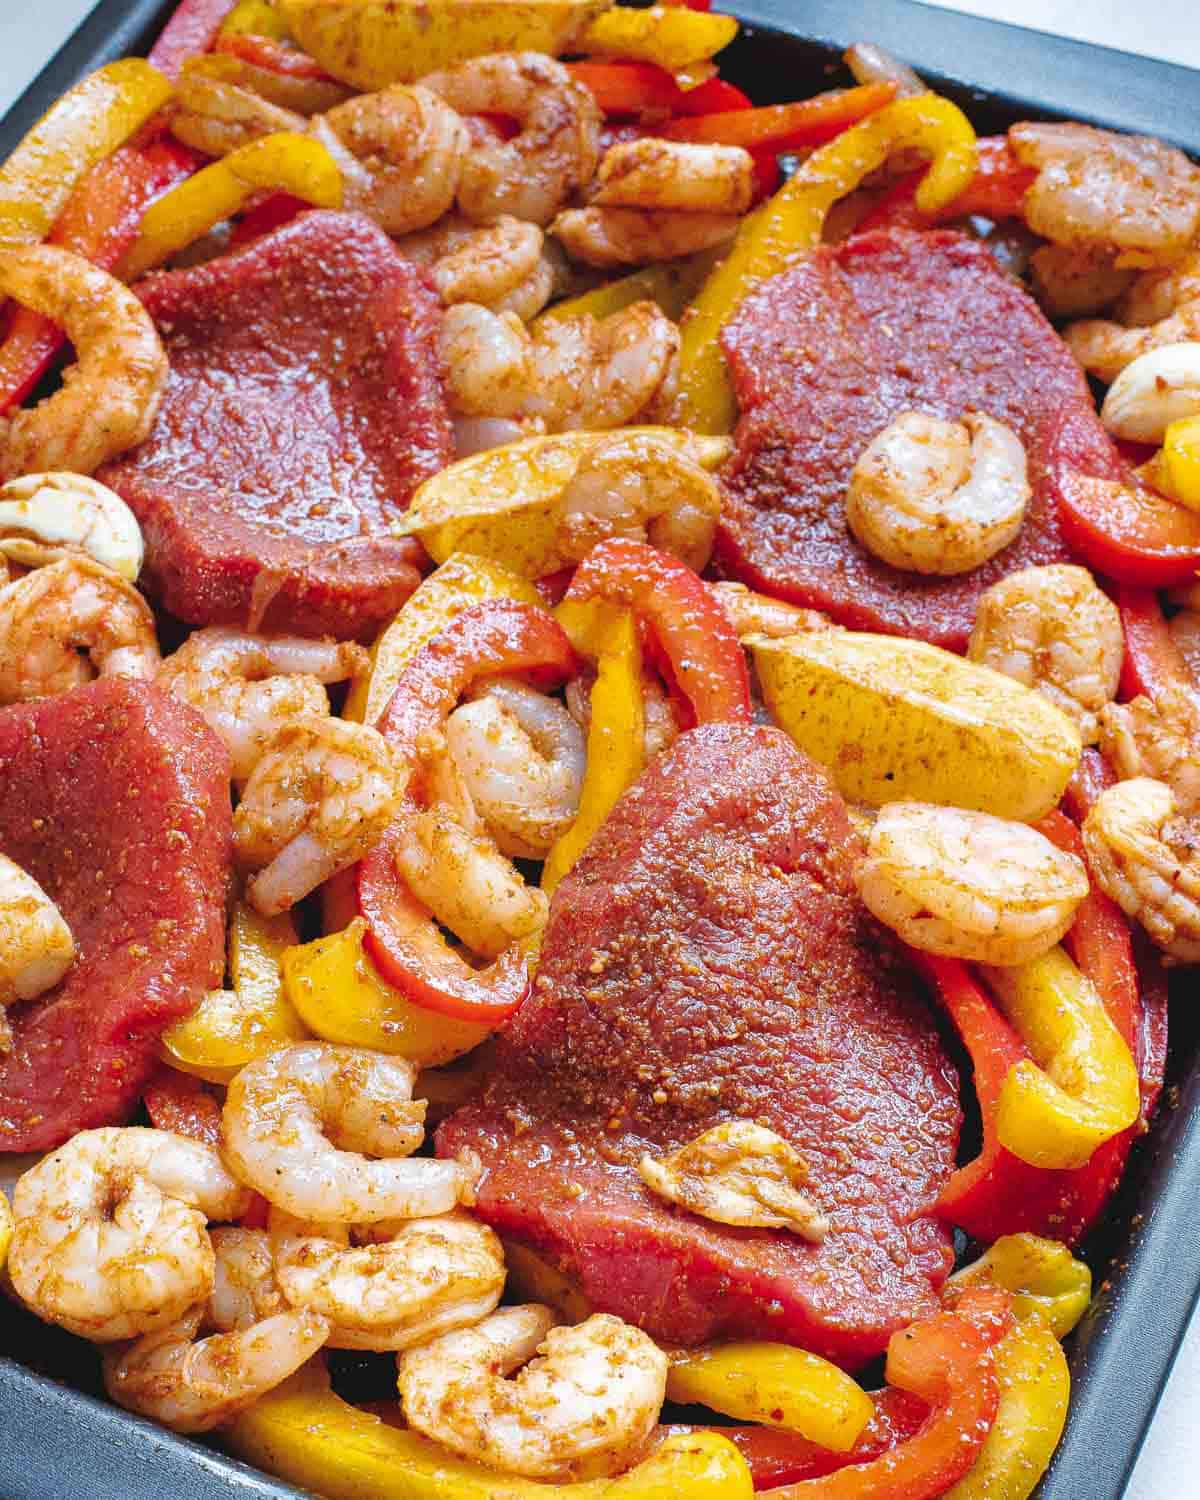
x: 248, y: 687
x: 46, y: 517
x: 424, y: 1277
x: 216, y: 112
x: 507, y: 266
x: 1145, y: 854
x: 1185, y: 632
x: 677, y: 175
x: 939, y: 497
x: 660, y: 726
x: 488, y: 358
x: 296, y: 1121
x: 583, y: 1408
x: 110, y: 396
x: 36, y: 946
x: 1073, y: 281
x: 636, y: 486
x: 1155, y: 295
x: 522, y: 757
x: 245, y: 1289
x: 1104, y: 348
x: 758, y: 614
x: 967, y: 884
x: 322, y: 794
x: 1054, y: 629
x: 66, y: 623
x: 606, y: 236
x: 193, y: 1387
x: 110, y: 1238
x: 1157, y: 738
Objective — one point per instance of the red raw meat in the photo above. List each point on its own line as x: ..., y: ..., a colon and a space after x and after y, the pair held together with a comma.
x: 115, y: 798
x: 304, y: 406
x: 826, y: 355
x: 706, y: 960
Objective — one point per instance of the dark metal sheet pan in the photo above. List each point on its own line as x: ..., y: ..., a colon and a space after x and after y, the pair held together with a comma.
x: 59, y: 1442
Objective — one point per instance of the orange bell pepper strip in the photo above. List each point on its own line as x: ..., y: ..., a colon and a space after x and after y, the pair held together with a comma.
x: 191, y: 30
x: 784, y: 127
x: 1125, y: 529
x: 997, y: 191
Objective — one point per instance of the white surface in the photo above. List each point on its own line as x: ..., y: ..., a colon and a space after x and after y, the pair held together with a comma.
x: 1169, y: 1468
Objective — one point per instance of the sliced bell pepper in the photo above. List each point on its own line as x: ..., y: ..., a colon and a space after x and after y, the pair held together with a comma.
x: 790, y: 224
x: 80, y: 129
x: 1128, y: 531
x: 776, y: 1385
x: 271, y: 54
x: 671, y: 284
x: 294, y: 163
x: 253, y: 18
x: 1178, y: 462
x: 192, y: 29
x: 997, y: 191
x: 1153, y: 662
x: 497, y: 636
x: 6, y: 1230
x: 1044, y: 1279
x: 312, y: 1438
x: 671, y: 36
x: 713, y: 97
x: 785, y: 127
x: 629, y: 88
x: 689, y: 624
x: 265, y: 217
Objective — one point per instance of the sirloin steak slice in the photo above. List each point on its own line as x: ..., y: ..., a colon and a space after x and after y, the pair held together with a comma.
x: 708, y: 959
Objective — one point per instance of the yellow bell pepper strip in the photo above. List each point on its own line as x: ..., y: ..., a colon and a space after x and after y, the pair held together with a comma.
x: 1044, y: 1279
x: 308, y: 1436
x: 671, y: 36
x: 790, y: 224
x: 1081, y: 1088
x: 6, y: 1230
x: 254, y: 18
x: 1177, y: 463
x: 341, y: 997
x: 286, y: 161
x: 671, y: 285
x: 458, y: 583
x: 87, y: 124
x: 617, y: 727
x: 776, y: 1385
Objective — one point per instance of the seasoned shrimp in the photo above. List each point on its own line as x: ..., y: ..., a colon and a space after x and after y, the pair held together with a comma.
x: 66, y: 623
x: 660, y: 726
x: 46, y: 517
x: 296, y: 1121
x: 1104, y: 348
x: 1157, y: 738
x: 401, y: 152
x: 1155, y: 295
x: 478, y: 434
x: 583, y: 1408
x: 606, y: 236
x: 488, y: 358
x: 320, y: 797
x: 555, y: 150
x: 522, y: 757
x: 36, y: 946
x: 678, y: 175
x: 245, y: 1288
x: 1077, y: 281
x: 1145, y: 854
x: 967, y: 884
x: 758, y: 614
x: 110, y: 1238
x: 636, y: 486
x: 1185, y: 632
x: 193, y: 1387
x: 215, y: 112
x: 507, y: 266
x: 248, y: 687
x: 417, y: 1279
x: 939, y: 497
x: 1054, y: 629
x: 110, y: 396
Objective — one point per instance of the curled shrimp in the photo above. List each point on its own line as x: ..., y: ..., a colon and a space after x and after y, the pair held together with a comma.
x: 967, y: 884
x: 1161, y: 308
x: 507, y: 266
x: 1155, y: 295
x: 599, y: 373
x: 660, y: 727
x: 194, y: 1386
x: 676, y: 175
x: 1054, y: 629
x: 605, y: 236
x: 216, y: 112
x: 248, y: 687
x: 1077, y: 281
x: 1158, y: 738
x: 245, y: 1288
x: 36, y: 946
x: 401, y: 152
x: 68, y: 622
x: 488, y: 359
x: 415, y: 1280
x: 758, y: 614
x: 939, y: 497
x: 297, y: 1122
x: 555, y: 150
x: 110, y: 396
x: 522, y: 757
x: 321, y: 795
x: 583, y: 1407
x: 1145, y: 854
x: 110, y: 1238
x: 636, y: 486
x: 1185, y: 632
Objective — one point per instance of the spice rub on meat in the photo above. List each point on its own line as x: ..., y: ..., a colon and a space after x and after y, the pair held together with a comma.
x: 115, y: 798
x: 708, y: 960
x: 303, y: 407
x: 825, y: 356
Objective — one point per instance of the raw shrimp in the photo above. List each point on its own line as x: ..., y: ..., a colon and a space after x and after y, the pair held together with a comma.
x: 417, y: 1279
x: 248, y: 687
x: 507, y: 266
x: 110, y: 396
x: 1054, y: 629
x: 1145, y: 854
x: 939, y: 497
x: 110, y: 1238
x: 522, y: 757
x: 677, y: 175
x: 1155, y: 295
x: 583, y: 1408
x: 401, y: 152
x: 758, y: 614
x: 1157, y: 738
x: 967, y: 884
x: 1161, y: 308
x: 1185, y: 632
x: 1077, y: 281
x: 554, y: 152
x: 36, y: 946
x: 295, y: 1124
x: 660, y: 726
x: 738, y: 1173
x: 607, y: 236
x: 66, y: 623
x: 245, y: 1287
x: 632, y: 485
x: 193, y: 1387
x: 215, y: 112
x: 320, y: 797
x: 46, y: 517
x: 488, y: 358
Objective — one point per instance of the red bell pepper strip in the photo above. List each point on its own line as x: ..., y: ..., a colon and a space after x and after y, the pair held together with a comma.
x: 1153, y: 662
x: 1127, y: 530
x: 1093, y: 775
x: 766, y: 174
x: 266, y: 52
x: 629, y: 88
x: 997, y: 191
x: 706, y: 661
x: 712, y: 97
x: 690, y: 4
x: 497, y: 636
x: 191, y: 30
x: 272, y: 213
x: 99, y: 222
x: 785, y: 127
